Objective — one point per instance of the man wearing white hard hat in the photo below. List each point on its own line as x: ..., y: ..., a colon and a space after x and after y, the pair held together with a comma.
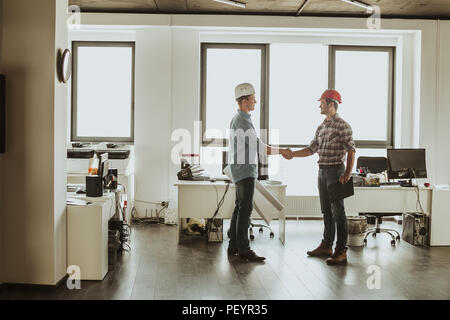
x: 243, y: 163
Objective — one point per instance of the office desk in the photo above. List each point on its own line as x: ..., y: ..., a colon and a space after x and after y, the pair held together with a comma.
x: 198, y: 199
x: 387, y: 199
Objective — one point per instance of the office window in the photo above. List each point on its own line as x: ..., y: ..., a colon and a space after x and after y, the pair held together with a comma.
x: 364, y: 77
x: 224, y: 66
x: 103, y: 91
x: 298, y: 75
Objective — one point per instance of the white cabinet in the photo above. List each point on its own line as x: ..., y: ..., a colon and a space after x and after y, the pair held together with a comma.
x: 87, y: 236
x: 440, y: 217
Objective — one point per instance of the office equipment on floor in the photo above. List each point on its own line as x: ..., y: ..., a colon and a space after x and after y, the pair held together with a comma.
x: 415, y: 228
x: 214, y: 229
x: 406, y: 164
x: 198, y: 199
x: 122, y: 228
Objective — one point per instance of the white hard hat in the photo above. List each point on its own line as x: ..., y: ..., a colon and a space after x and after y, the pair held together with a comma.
x: 244, y: 89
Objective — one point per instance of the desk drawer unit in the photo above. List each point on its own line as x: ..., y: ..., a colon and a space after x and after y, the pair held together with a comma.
x: 87, y: 239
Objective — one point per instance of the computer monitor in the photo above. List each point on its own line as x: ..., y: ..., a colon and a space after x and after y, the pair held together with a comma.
x: 103, y: 164
x: 406, y: 164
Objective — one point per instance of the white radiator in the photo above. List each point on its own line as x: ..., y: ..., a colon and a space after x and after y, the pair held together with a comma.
x: 303, y: 206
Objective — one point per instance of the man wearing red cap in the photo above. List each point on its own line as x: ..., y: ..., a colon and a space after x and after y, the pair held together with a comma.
x: 333, y: 140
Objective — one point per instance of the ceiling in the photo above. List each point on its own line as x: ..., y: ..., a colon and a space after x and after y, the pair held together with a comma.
x: 430, y: 9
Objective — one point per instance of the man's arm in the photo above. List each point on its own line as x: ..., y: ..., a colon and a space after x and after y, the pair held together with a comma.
x: 273, y: 151
x: 268, y: 150
x: 349, y: 145
x: 348, y: 170
x: 302, y: 153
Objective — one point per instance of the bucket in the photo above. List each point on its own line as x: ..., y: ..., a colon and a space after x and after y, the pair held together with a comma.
x: 357, y: 227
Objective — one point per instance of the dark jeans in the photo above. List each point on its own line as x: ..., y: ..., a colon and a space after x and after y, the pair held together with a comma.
x: 334, y: 217
x: 240, y: 220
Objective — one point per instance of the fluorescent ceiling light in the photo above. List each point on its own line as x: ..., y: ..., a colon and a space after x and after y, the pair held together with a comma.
x: 359, y: 4
x: 232, y: 3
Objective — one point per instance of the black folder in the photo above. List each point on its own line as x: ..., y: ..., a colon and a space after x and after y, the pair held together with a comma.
x: 339, y: 191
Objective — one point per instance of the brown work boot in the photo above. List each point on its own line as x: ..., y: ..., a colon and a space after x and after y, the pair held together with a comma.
x: 324, y: 250
x: 339, y: 256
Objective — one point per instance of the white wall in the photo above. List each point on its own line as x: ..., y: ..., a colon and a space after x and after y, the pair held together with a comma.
x: 177, y: 38
x: 152, y: 116
x: 33, y: 204
x: 442, y: 127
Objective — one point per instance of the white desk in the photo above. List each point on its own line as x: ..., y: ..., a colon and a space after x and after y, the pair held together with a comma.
x: 435, y: 202
x: 87, y: 235
x: 198, y: 199
x: 387, y: 199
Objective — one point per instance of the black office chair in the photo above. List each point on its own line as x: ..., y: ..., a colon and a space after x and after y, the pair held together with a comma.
x: 377, y: 165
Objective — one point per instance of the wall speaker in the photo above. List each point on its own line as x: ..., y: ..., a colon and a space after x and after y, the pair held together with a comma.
x: 2, y: 114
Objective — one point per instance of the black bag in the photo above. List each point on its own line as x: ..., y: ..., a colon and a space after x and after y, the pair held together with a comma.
x: 339, y: 191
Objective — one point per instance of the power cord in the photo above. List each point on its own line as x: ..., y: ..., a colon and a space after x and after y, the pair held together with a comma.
x: 219, y: 205
x: 417, y: 190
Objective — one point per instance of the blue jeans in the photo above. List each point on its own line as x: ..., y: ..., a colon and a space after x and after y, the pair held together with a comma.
x: 334, y: 217
x: 240, y: 220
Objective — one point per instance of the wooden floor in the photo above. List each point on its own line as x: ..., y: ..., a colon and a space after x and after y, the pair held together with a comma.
x: 158, y: 268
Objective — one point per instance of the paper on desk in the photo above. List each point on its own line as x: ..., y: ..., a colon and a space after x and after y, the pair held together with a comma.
x: 77, y: 202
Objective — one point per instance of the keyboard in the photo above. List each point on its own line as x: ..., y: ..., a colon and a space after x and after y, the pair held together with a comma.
x: 389, y: 184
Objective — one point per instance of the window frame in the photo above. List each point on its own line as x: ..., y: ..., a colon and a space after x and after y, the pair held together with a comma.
x: 370, y: 144
x: 204, y: 46
x: 74, y: 103
x: 265, y: 91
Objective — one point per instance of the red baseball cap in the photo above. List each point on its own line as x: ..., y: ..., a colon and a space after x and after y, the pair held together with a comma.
x: 331, y: 94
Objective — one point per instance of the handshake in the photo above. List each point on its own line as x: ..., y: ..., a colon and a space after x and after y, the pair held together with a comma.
x: 288, y: 154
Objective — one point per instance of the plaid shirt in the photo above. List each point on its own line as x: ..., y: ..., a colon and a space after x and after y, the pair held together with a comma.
x: 332, y: 140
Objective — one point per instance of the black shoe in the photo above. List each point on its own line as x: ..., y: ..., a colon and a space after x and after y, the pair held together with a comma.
x: 232, y: 251
x: 251, y: 256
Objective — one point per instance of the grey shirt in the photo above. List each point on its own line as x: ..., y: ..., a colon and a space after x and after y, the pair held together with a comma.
x: 244, y: 145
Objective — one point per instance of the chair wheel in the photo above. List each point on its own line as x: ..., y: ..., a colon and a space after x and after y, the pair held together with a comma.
x: 272, y: 235
x: 393, y: 243
x: 261, y: 230
x: 374, y: 235
x: 252, y: 237
x: 398, y: 238
x: 365, y: 241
